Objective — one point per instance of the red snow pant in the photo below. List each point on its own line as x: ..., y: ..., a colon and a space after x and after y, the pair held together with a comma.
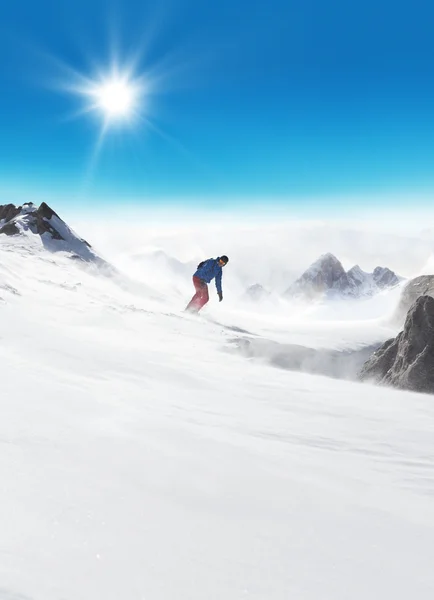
x: 201, y: 296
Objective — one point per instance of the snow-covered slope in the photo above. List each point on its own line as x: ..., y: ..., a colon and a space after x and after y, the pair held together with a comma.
x: 54, y: 233
x: 138, y: 459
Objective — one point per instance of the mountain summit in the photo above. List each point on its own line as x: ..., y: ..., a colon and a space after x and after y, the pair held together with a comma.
x: 327, y: 276
x: 55, y: 234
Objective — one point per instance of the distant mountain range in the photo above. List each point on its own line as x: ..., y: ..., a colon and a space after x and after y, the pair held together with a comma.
x: 326, y: 277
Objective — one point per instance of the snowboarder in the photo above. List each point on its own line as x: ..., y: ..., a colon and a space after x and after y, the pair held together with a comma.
x: 206, y: 271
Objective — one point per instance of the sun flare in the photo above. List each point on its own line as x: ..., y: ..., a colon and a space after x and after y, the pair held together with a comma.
x: 116, y: 98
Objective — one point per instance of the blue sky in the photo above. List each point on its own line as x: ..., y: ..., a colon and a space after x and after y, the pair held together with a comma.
x: 289, y: 102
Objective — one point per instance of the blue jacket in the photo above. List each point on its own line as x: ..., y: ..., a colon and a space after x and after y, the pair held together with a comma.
x: 209, y: 269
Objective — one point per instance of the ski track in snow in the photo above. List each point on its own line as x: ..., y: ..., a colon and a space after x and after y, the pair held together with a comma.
x: 138, y: 460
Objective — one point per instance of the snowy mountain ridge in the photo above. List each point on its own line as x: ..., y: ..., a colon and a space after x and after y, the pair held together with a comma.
x: 326, y: 276
x: 55, y: 234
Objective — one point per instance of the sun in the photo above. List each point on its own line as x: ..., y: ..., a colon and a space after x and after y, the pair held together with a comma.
x: 116, y: 98
x: 117, y: 95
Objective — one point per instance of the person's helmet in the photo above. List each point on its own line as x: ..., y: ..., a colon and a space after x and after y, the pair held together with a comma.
x: 224, y: 259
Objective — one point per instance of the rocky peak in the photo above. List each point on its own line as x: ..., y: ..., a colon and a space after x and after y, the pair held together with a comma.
x: 357, y: 274
x: 328, y: 276
x: 407, y: 361
x: 325, y: 271
x: 362, y: 283
x: 8, y: 212
x: 384, y: 277
x: 320, y: 277
x: 55, y: 234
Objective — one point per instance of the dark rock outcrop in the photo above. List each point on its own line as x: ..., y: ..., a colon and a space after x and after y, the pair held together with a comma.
x: 407, y: 361
x: 42, y: 222
x: 327, y: 276
x: 419, y: 286
x: 32, y: 222
x: 38, y: 220
x: 10, y: 229
x: 8, y: 212
x: 54, y: 233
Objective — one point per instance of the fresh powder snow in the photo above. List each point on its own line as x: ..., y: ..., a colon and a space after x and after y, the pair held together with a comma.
x: 142, y: 458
